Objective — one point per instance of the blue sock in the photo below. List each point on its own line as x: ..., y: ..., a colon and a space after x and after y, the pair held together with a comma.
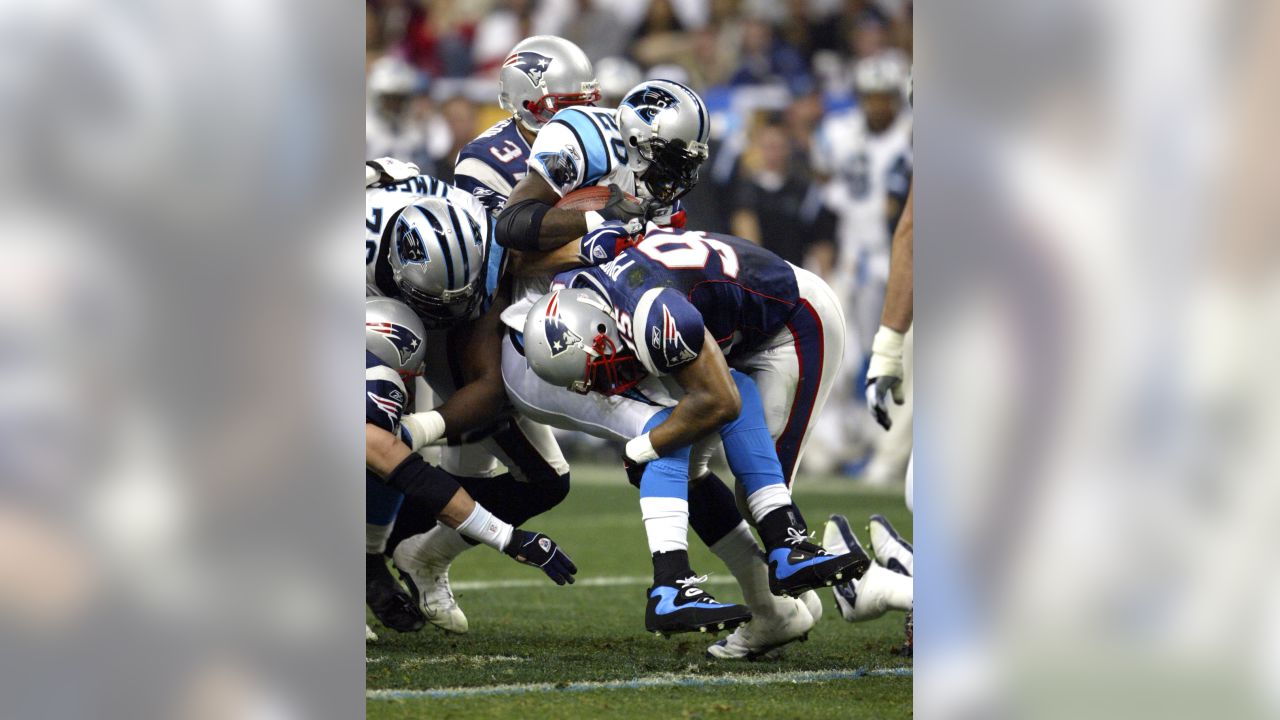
x: 668, y: 476
x: 381, y: 502
x: 748, y: 447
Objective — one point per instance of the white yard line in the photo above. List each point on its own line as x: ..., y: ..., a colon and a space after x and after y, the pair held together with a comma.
x: 649, y: 681
x: 605, y: 581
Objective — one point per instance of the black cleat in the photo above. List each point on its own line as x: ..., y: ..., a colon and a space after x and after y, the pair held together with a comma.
x: 801, y: 565
x: 387, y: 599
x: 685, y: 607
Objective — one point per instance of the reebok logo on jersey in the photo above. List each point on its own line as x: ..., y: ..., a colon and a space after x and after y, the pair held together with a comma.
x: 404, y: 340
x: 531, y: 64
x: 667, y: 338
x: 650, y: 101
x: 562, y: 166
x: 559, y: 336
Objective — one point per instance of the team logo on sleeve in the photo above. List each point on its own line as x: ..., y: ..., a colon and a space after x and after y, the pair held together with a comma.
x: 667, y: 339
x: 404, y: 340
x: 530, y: 63
x: 559, y: 336
x: 562, y: 166
x: 650, y: 101
x: 390, y: 405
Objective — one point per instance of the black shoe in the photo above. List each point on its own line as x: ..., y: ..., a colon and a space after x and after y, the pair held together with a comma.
x: 800, y: 565
x: 685, y: 607
x: 387, y: 599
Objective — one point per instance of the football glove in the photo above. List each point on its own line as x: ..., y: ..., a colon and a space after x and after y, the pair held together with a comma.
x: 540, y: 551
x: 630, y: 212
x: 884, y: 375
x: 388, y: 170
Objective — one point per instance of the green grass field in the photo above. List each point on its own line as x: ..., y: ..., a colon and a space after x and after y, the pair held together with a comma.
x: 583, y: 648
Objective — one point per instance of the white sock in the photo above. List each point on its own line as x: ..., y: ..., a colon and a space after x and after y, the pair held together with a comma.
x: 375, y: 538
x: 740, y: 553
x: 439, y: 544
x: 666, y: 522
x: 483, y: 527
x: 767, y: 499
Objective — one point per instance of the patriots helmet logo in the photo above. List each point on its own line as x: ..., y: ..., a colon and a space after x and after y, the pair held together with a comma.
x: 559, y: 336
x: 562, y: 166
x: 668, y: 340
x: 405, y: 341
x: 531, y: 64
x: 650, y: 101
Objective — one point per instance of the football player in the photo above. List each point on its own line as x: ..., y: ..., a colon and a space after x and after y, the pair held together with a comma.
x: 667, y: 127
x: 430, y: 244
x: 394, y: 352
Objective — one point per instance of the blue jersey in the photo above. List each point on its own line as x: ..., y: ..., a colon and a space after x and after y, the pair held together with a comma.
x: 385, y: 396
x: 381, y: 205
x: 675, y: 284
x: 491, y: 165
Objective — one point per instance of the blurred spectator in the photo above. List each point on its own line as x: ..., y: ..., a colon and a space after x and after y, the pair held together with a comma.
x: 394, y: 114
x: 460, y: 115
x: 512, y: 21
x: 774, y: 205
x: 616, y: 76
x: 767, y: 59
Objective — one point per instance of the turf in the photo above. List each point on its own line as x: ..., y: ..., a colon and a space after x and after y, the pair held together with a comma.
x: 564, y: 636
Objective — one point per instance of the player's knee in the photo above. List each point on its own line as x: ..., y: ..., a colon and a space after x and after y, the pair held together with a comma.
x: 556, y: 491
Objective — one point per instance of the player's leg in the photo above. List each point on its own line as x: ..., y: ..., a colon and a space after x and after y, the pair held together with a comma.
x: 386, y: 598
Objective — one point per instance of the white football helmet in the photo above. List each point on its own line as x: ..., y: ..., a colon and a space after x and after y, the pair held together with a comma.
x: 542, y: 75
x: 666, y: 127
x: 572, y: 341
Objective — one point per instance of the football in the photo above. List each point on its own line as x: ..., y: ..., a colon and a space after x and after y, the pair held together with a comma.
x: 587, y: 198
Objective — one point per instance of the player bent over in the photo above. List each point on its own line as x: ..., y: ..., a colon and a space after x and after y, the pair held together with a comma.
x: 394, y: 351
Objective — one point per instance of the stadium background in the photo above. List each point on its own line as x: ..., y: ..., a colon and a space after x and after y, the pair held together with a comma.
x: 771, y: 73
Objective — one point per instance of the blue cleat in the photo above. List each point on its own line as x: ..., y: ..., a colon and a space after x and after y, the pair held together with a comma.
x: 685, y: 607
x: 801, y: 565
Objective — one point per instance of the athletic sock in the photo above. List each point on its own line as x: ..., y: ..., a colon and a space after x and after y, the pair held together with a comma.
x: 440, y: 544
x: 375, y: 537
x: 670, y: 566
x: 776, y: 526
x: 740, y: 553
x: 713, y: 511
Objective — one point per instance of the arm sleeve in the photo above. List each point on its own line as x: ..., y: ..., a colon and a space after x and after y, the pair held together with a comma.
x: 384, y: 398
x: 669, y: 331
x: 570, y: 152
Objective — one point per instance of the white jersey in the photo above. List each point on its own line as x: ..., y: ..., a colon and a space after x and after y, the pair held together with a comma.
x: 580, y: 147
x: 866, y: 171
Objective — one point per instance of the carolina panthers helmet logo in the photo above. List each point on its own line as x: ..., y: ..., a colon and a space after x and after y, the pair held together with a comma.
x: 404, y: 340
x: 409, y: 243
x: 562, y: 166
x: 559, y: 337
x: 531, y: 64
x: 649, y: 101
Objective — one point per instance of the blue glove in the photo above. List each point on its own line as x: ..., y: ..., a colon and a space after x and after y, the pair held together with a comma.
x: 540, y: 551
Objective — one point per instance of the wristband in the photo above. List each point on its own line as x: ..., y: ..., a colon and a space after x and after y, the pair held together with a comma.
x: 482, y: 526
x: 640, y: 449
x: 887, y: 342
x: 426, y: 428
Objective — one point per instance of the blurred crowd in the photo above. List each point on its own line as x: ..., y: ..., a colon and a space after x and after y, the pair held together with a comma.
x: 811, y: 131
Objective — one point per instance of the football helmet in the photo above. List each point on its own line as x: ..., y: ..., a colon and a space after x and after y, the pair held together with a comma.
x: 437, y: 260
x: 542, y: 75
x: 394, y: 333
x: 666, y: 127
x: 572, y: 341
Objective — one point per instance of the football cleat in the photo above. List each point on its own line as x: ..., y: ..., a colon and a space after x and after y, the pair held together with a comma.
x: 839, y: 536
x: 801, y: 565
x: 891, y: 550
x: 765, y: 635
x: 428, y: 581
x: 685, y: 607
x: 369, y: 634
x: 387, y: 599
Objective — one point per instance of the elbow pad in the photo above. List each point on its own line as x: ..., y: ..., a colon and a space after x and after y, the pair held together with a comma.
x: 520, y: 225
x: 431, y: 485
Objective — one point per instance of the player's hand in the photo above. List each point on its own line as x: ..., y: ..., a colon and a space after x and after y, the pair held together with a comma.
x: 884, y: 375
x: 630, y: 212
x: 540, y: 551
x: 390, y: 170
x: 634, y: 468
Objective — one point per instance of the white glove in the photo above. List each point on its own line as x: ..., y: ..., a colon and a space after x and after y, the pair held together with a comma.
x: 424, y: 428
x: 884, y: 375
x: 388, y: 170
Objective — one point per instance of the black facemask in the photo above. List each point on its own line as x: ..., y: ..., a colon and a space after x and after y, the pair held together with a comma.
x: 672, y: 171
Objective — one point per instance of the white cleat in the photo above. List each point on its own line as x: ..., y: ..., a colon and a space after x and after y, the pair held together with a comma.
x: 877, y: 591
x: 369, y: 634
x: 765, y: 634
x: 891, y: 550
x: 428, y: 581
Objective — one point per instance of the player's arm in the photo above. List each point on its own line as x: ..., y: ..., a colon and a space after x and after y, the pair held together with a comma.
x: 482, y: 399
x: 530, y: 221
x: 596, y: 247
x: 884, y: 374
x: 405, y: 470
